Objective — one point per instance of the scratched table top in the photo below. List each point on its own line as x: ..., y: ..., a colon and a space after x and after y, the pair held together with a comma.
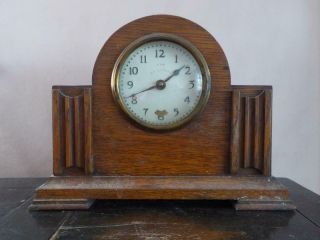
x: 155, y: 219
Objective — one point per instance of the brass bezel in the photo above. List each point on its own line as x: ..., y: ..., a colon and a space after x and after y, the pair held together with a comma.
x: 206, y: 78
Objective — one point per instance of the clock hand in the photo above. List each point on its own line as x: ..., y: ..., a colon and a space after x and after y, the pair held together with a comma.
x: 147, y: 89
x: 160, y: 84
x: 175, y: 73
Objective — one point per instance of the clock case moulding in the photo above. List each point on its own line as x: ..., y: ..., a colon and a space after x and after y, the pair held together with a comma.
x: 224, y: 153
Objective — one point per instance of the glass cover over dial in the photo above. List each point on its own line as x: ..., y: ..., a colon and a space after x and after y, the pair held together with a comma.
x: 161, y: 83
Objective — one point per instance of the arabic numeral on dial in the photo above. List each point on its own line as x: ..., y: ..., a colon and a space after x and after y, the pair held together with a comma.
x: 160, y: 53
x: 130, y: 84
x: 133, y: 70
x: 143, y: 59
x: 134, y: 100
x: 145, y: 111
x: 188, y: 72
x: 187, y: 99
x: 176, y: 110
x: 192, y: 83
x: 176, y: 60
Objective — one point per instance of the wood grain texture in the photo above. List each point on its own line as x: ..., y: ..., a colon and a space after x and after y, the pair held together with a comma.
x: 235, y: 134
x: 78, y: 131
x: 121, y: 147
x: 267, y: 133
x: 88, y: 154
x: 58, y: 140
x: 71, y: 130
x: 139, y: 187
x: 251, y: 130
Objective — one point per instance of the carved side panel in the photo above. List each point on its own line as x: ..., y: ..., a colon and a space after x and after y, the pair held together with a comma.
x: 251, y: 131
x: 72, y: 130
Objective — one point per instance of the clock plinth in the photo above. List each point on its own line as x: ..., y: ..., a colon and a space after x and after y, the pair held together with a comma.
x: 249, y: 193
x: 224, y: 152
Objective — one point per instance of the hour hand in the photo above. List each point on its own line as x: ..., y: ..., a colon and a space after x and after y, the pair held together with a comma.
x: 175, y: 73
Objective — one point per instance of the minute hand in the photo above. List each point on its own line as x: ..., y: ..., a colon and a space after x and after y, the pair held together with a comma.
x: 147, y: 89
x: 175, y: 73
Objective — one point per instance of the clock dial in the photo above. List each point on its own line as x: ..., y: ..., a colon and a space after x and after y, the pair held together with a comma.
x: 161, y: 84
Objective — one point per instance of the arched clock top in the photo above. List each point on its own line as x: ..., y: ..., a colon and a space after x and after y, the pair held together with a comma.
x: 181, y: 27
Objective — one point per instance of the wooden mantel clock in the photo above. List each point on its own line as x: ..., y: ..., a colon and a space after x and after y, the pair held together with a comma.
x: 162, y: 121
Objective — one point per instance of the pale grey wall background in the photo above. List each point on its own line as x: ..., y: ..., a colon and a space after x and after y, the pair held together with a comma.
x: 45, y: 43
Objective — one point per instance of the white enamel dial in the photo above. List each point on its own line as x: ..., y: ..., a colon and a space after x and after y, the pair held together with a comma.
x: 160, y: 84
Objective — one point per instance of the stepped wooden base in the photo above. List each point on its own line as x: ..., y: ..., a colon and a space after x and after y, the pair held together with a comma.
x: 60, y: 204
x: 252, y: 193
x: 264, y: 204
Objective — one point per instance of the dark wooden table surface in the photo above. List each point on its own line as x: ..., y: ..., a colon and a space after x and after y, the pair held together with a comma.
x: 155, y: 219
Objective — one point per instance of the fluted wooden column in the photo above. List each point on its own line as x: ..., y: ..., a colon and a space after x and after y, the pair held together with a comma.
x: 251, y: 130
x: 72, y: 141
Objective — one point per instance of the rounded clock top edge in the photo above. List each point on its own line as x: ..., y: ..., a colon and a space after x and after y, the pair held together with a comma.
x: 166, y: 24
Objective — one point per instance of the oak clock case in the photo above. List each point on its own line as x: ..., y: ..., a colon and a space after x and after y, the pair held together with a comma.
x: 172, y: 77
x: 135, y: 134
